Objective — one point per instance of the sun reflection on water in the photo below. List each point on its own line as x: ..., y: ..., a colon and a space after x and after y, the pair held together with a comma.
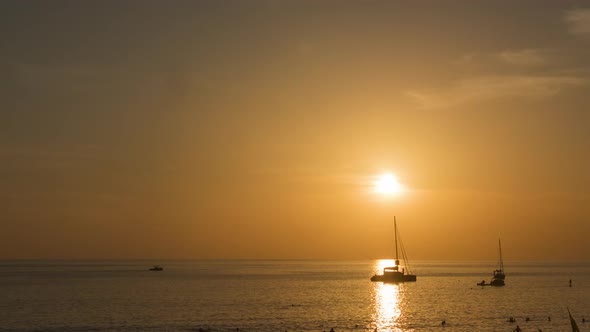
x: 387, y: 302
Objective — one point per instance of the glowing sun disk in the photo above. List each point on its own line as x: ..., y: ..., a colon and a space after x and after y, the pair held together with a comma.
x: 388, y: 184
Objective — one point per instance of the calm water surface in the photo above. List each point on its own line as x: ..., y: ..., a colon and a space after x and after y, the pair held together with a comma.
x: 287, y: 296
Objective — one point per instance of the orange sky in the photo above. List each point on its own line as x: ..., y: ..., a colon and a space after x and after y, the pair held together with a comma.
x: 216, y: 129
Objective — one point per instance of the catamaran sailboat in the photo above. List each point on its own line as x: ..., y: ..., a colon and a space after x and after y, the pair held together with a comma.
x: 498, y: 276
x: 393, y: 273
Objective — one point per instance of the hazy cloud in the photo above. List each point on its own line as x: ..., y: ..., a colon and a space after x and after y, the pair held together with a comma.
x: 526, y: 57
x: 491, y: 87
x: 579, y: 21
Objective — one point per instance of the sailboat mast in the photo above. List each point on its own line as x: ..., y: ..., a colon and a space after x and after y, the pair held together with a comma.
x: 501, y: 259
x: 395, y: 236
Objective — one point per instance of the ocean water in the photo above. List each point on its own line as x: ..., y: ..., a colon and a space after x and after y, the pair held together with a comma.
x: 290, y: 295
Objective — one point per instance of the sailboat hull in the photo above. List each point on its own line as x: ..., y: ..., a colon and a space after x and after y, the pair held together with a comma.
x: 497, y: 282
x: 494, y: 282
x: 394, y: 277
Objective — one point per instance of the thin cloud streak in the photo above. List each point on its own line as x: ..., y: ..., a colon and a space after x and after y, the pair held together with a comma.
x: 578, y: 21
x: 526, y: 57
x: 493, y: 87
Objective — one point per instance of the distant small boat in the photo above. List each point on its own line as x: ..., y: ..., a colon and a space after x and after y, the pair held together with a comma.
x: 499, y: 275
x: 157, y: 268
x: 393, y: 273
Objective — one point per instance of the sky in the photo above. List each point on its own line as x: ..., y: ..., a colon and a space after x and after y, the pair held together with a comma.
x: 256, y: 129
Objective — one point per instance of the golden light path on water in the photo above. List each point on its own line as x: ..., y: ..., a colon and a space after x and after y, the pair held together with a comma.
x: 387, y: 301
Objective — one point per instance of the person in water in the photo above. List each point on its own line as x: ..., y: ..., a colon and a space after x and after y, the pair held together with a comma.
x: 443, y: 324
x: 517, y: 329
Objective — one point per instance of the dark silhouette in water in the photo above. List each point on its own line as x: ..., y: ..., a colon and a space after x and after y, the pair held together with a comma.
x: 498, y: 274
x: 517, y: 329
x: 392, y: 274
x: 570, y: 282
x: 443, y: 324
x: 575, y: 327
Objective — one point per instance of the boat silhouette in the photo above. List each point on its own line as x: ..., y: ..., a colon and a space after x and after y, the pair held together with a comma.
x: 392, y: 273
x: 498, y: 274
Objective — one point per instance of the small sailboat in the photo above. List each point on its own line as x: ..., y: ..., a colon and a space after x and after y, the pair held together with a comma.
x: 393, y: 273
x: 499, y: 275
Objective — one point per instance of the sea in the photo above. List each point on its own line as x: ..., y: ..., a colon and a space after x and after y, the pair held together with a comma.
x: 289, y: 295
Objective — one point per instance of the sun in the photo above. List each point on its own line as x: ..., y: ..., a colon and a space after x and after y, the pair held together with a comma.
x: 387, y: 184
